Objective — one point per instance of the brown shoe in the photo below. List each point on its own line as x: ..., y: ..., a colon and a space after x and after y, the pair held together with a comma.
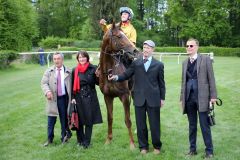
x: 156, y: 151
x: 47, y: 143
x: 143, y: 151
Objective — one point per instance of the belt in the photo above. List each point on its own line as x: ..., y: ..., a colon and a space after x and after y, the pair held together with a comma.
x: 62, y: 96
x: 190, y: 79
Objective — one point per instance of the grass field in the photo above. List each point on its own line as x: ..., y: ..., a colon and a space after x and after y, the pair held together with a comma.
x: 23, y: 121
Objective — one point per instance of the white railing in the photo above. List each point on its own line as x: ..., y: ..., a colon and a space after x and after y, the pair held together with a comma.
x: 178, y: 55
x: 51, y: 52
x: 161, y: 54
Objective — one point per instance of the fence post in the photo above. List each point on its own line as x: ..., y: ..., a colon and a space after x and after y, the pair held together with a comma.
x: 179, y: 58
x: 48, y: 61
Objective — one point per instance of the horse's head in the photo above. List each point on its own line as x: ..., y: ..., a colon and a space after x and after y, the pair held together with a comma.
x: 117, y: 44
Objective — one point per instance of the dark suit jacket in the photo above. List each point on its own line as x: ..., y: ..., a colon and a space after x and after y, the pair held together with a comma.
x: 150, y: 85
x: 206, y: 82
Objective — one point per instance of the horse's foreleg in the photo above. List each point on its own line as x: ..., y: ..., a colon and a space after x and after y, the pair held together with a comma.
x: 109, y: 105
x: 126, y: 104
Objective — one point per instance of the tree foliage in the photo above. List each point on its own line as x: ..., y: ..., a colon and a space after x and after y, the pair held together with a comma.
x: 62, y: 18
x: 206, y: 20
x: 167, y: 22
x: 18, y: 25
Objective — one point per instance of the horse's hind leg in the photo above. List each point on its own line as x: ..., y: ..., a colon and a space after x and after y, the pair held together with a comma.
x: 126, y: 104
x: 109, y: 104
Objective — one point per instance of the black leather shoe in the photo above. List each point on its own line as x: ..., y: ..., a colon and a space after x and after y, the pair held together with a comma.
x: 207, y: 156
x: 47, y: 143
x: 69, y: 134
x: 86, y: 146
x: 191, y: 153
x: 79, y: 144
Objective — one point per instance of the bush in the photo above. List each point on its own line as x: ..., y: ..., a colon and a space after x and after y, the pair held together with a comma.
x: 170, y: 49
x: 238, y: 54
x: 220, y: 51
x: 53, y: 42
x: 69, y: 49
x: 68, y: 55
x: 33, y: 58
x: 66, y: 41
x: 87, y: 44
x: 6, y: 57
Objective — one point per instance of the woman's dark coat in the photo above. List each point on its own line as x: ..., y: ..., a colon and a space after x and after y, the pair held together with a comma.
x: 87, y: 101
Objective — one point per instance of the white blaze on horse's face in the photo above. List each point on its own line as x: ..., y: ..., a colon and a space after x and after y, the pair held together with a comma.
x: 147, y: 50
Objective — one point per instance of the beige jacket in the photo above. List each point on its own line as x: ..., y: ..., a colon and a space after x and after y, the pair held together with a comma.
x: 206, y: 82
x: 49, y: 83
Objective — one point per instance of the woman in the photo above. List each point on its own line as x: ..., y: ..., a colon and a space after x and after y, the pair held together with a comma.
x: 85, y: 97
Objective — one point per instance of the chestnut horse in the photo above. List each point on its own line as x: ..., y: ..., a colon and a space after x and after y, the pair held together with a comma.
x: 117, y: 53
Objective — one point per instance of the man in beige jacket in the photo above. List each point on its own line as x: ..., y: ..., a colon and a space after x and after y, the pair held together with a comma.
x: 56, y: 86
x: 197, y: 91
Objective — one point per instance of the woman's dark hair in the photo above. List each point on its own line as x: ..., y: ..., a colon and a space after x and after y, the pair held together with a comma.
x: 83, y: 54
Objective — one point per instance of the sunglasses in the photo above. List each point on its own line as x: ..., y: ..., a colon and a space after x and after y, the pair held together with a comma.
x: 189, y: 46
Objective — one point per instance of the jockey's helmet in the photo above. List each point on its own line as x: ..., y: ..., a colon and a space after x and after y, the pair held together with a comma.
x: 127, y: 10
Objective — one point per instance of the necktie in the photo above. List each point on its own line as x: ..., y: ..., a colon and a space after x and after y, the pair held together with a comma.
x: 191, y: 60
x: 145, y: 60
x: 59, y: 84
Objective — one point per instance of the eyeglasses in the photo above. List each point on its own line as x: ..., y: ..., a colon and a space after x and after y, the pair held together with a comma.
x: 190, y: 46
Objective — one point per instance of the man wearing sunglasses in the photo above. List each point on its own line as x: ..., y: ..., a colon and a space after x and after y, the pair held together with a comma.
x: 197, y: 91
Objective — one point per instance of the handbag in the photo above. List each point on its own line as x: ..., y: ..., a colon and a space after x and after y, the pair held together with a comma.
x: 211, y: 114
x: 73, y: 121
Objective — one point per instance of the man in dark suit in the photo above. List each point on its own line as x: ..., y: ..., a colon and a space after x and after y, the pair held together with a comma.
x: 198, y: 90
x: 149, y: 95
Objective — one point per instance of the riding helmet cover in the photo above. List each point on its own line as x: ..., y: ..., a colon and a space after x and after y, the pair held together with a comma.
x: 127, y: 10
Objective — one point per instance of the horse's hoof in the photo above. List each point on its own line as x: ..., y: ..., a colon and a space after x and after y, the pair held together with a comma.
x: 132, y: 146
x: 108, y: 141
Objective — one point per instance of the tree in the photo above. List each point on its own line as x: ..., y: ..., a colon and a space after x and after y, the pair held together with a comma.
x: 62, y: 18
x: 234, y: 20
x: 18, y: 25
x: 206, y: 20
x: 106, y: 9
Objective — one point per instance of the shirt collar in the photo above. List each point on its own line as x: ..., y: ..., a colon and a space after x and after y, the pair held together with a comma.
x: 194, y: 56
x: 125, y: 23
x: 149, y: 58
x: 62, y: 68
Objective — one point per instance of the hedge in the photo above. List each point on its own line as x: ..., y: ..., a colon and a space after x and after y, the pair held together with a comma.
x: 218, y: 51
x: 87, y: 44
x: 6, y: 57
x: 53, y: 42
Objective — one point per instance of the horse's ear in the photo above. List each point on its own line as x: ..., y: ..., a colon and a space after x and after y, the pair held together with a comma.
x: 113, y: 24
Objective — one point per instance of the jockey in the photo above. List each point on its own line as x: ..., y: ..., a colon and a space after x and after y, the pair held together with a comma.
x: 126, y: 26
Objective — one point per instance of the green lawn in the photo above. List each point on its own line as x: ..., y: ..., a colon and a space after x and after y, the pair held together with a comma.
x: 23, y: 121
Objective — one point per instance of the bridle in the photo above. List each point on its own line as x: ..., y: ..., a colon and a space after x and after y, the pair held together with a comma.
x: 118, y: 53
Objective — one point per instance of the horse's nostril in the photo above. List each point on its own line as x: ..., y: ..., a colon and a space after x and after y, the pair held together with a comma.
x: 135, y: 51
